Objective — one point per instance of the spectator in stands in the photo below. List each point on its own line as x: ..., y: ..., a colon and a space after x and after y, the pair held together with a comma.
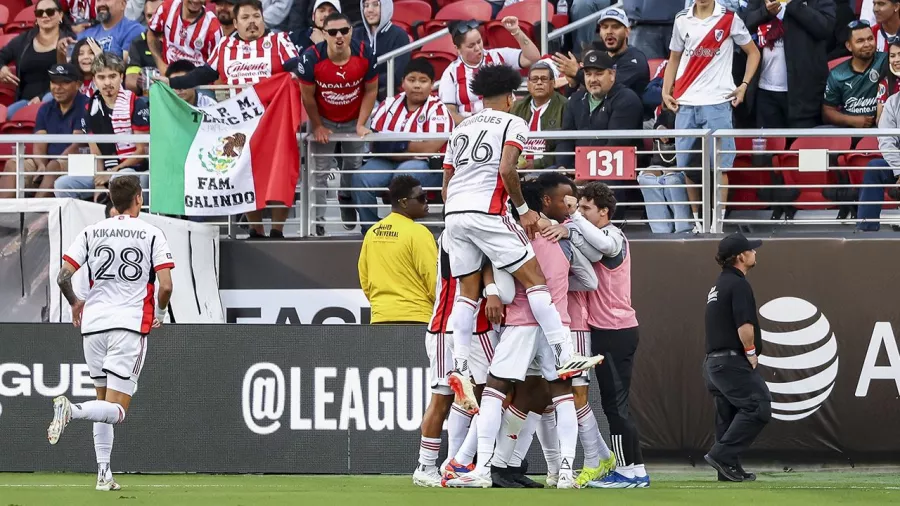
x: 454, y: 90
x: 851, y: 92
x: 33, y: 53
x: 112, y: 110
x: 659, y: 183
x: 113, y: 33
x: 414, y: 110
x: 182, y: 67
x: 310, y: 35
x: 652, y: 29
x: 225, y: 15
x: 339, y: 85
x: 397, y: 259
x: 890, y: 85
x: 182, y: 30
x: 80, y: 13
x: 384, y: 37
x: 63, y: 114
x: 700, y: 88
x: 83, y: 55
x: 136, y: 10
x: 790, y: 87
x: 543, y: 109
x: 887, y: 22
x: 581, y: 9
x: 275, y: 12
x: 139, y: 55
x: 882, y: 171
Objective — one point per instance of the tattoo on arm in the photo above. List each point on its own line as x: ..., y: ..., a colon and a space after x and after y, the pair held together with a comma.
x: 64, y: 280
x: 510, y: 175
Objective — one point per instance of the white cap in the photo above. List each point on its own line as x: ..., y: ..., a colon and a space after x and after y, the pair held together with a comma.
x: 335, y: 3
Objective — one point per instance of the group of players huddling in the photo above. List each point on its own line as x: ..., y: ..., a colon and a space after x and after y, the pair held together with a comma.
x: 570, y: 298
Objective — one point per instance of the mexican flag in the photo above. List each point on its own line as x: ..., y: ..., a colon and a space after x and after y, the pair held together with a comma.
x: 227, y: 159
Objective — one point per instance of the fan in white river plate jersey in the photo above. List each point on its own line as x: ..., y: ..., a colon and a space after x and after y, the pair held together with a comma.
x: 122, y: 255
x: 474, y: 152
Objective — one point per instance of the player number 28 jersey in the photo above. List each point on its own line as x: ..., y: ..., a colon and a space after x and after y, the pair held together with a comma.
x: 122, y: 255
x: 473, y: 153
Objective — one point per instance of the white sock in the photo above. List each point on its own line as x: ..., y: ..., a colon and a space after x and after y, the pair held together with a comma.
x: 457, y: 428
x: 545, y: 313
x: 546, y: 432
x: 103, y: 443
x: 463, y: 321
x: 626, y: 471
x: 513, y: 420
x: 591, y: 441
x: 639, y: 471
x: 490, y: 416
x: 466, y: 453
x: 526, y: 436
x: 98, y: 411
x: 567, y: 428
x: 428, y: 451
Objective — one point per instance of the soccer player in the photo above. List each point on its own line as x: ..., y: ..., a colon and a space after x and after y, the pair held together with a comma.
x: 125, y: 256
x: 479, y: 174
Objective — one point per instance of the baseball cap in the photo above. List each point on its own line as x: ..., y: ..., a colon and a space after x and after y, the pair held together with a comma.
x: 735, y: 244
x: 614, y: 14
x: 334, y: 3
x: 599, y: 60
x: 65, y: 71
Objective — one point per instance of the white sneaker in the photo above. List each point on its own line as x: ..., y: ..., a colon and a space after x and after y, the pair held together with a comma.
x: 465, y: 393
x: 475, y: 479
x: 552, y: 480
x: 62, y: 414
x: 107, y: 484
x: 575, y: 364
x: 566, y: 480
x: 426, y: 477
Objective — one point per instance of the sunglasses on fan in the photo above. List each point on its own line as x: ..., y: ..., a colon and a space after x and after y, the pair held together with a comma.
x: 334, y: 31
x: 461, y: 27
x: 40, y: 13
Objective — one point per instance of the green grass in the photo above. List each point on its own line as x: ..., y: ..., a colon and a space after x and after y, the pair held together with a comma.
x: 693, y: 488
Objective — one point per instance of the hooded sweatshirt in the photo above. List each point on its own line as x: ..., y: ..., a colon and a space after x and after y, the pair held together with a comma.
x: 387, y: 38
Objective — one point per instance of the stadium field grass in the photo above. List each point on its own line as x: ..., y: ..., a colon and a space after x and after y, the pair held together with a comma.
x: 694, y: 488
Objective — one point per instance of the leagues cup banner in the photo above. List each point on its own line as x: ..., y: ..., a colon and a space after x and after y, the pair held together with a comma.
x: 225, y: 159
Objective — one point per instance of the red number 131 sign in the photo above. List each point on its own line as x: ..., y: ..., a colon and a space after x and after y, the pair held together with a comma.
x: 607, y: 162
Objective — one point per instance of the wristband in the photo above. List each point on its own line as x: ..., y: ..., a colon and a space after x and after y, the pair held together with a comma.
x: 161, y: 313
x: 522, y: 209
x: 750, y: 351
x: 491, y: 289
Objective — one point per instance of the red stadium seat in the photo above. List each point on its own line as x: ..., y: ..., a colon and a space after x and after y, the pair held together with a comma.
x: 740, y: 177
x: 441, y: 53
x: 654, y: 64
x: 2, y: 113
x: 868, y: 150
x: 23, y: 21
x: 13, y: 6
x: 4, y: 15
x: 837, y: 61
x: 7, y: 94
x: 559, y: 20
x: 810, y: 195
x: 410, y: 14
x: 478, y: 10
x: 529, y: 14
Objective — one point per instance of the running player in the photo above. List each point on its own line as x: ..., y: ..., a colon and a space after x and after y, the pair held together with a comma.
x: 124, y: 257
x: 479, y: 174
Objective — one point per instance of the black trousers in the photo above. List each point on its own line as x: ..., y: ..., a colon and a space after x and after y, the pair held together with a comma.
x: 743, y: 405
x: 614, y: 380
x: 772, y: 112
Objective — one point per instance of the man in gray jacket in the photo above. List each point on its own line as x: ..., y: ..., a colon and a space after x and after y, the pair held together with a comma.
x: 884, y: 171
x: 652, y: 28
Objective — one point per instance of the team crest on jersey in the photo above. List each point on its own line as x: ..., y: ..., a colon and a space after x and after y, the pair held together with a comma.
x: 720, y: 34
x: 247, y: 50
x: 421, y: 119
x: 222, y: 157
x: 198, y: 44
x: 874, y: 76
x: 267, y: 44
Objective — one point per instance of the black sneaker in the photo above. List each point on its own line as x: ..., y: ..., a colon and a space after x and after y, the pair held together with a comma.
x: 729, y: 472
x: 348, y: 214
x: 276, y: 234
x: 320, y: 230
x: 501, y: 478
x: 747, y: 476
x: 253, y: 234
x: 523, y: 480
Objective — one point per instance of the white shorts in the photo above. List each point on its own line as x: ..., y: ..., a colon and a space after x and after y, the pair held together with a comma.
x: 481, y: 355
x: 472, y: 236
x: 523, y: 351
x: 581, y: 341
x: 119, y: 353
x: 440, y: 362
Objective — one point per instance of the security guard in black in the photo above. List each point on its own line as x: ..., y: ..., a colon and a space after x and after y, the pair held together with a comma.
x: 742, y: 399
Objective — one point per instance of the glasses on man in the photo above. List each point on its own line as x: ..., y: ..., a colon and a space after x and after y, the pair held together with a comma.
x: 538, y: 79
x: 422, y: 198
x: 334, y: 31
x: 859, y: 23
x: 41, y: 13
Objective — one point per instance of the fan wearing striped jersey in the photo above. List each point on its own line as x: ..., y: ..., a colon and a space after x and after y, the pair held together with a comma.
x: 182, y: 30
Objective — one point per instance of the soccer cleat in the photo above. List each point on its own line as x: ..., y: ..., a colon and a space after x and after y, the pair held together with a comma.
x: 642, y: 481
x: 613, y: 480
x: 107, y: 484
x: 465, y: 394
x: 524, y: 480
x: 575, y: 364
x: 588, y: 474
x: 429, y: 477
x: 552, y: 480
x: 480, y: 479
x: 502, y: 478
x: 566, y: 481
x: 454, y: 469
x: 608, y: 465
x: 62, y: 414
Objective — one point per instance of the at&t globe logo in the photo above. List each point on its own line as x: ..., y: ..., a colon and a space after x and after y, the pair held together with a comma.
x: 800, y: 357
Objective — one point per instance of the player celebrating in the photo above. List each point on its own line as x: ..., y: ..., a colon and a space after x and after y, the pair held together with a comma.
x: 124, y: 256
x: 479, y: 174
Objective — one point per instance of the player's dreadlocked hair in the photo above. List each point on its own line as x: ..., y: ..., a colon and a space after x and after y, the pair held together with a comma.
x: 495, y: 81
x: 600, y: 195
x: 531, y: 191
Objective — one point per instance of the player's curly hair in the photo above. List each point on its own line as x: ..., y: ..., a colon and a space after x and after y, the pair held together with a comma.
x: 532, y: 193
x: 401, y: 187
x: 495, y: 81
x: 601, y: 195
x: 550, y: 180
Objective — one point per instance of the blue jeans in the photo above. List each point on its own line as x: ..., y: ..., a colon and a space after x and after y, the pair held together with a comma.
x: 72, y: 187
x: 656, y: 189
x: 873, y: 194
x: 652, y: 40
x: 587, y: 33
x: 15, y: 106
x: 715, y: 117
x: 415, y: 168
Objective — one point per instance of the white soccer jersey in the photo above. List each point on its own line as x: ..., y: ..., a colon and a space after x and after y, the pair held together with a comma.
x: 707, y: 47
x: 248, y: 62
x: 122, y: 255
x: 473, y: 153
x: 455, y: 82
x: 193, y: 41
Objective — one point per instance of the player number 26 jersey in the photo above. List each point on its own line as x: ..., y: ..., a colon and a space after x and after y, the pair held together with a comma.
x: 473, y: 153
x: 122, y: 255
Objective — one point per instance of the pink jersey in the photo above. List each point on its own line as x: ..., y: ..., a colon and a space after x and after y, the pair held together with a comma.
x: 609, y: 306
x: 578, y: 312
x: 556, y: 269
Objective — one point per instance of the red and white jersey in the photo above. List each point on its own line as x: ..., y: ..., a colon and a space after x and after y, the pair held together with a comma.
x: 534, y: 144
x: 555, y: 267
x: 454, y: 88
x: 181, y: 40
x: 707, y: 47
x: 609, y: 306
x: 122, y: 255
x: 445, y: 296
x: 394, y: 116
x: 248, y: 62
x: 473, y: 153
x: 881, y: 38
x: 80, y: 10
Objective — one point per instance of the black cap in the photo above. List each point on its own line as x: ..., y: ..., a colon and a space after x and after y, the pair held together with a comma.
x: 735, y: 244
x: 65, y: 72
x: 600, y: 60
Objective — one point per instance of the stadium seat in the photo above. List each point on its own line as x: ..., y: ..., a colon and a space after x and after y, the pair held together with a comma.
x: 837, y: 61
x: 794, y: 177
x: 23, y: 21
x: 13, y: 6
x: 440, y: 53
x: 4, y: 16
x: 6, y: 37
x: 529, y: 14
x: 741, y: 177
x: 7, y: 94
x: 22, y: 121
x: 559, y: 20
x: 478, y: 10
x: 2, y: 113
x: 868, y: 150
x: 410, y: 15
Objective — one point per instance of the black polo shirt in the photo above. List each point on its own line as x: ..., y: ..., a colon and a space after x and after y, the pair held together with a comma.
x: 729, y: 305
